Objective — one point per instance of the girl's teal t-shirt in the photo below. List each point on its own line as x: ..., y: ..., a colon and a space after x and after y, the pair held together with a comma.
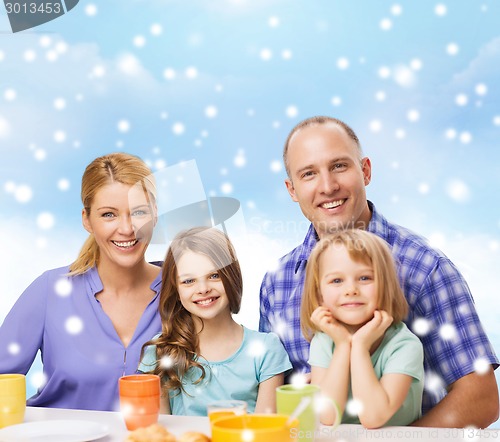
x: 260, y: 357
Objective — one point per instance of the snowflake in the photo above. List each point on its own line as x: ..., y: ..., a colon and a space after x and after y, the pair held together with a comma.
x: 421, y: 326
x: 169, y: 73
x: 139, y: 41
x: 191, y: 72
x: 38, y: 379
x: 14, y: 348
x: 63, y: 184
x: 226, y: 188
x: 292, y: 111
x: 404, y: 76
x: 178, y: 128
x: 461, y: 100
x: 256, y: 349
x: 458, y: 191
x: 59, y: 136
x: 4, y: 127
x: 342, y: 63
x: 10, y: 94
x: 433, y: 383
x: 29, y: 55
x: 481, y: 89
x: 413, y: 115
x: 375, y: 126
x: 59, y: 103
x: 440, y: 10
x: 240, y: 160
x: 156, y: 29
x: 299, y: 380
x: 23, y: 193
x: 247, y: 435
x: 423, y: 188
x: 91, y: 10
x: 266, y: 54
x: 74, y: 325
x: 354, y: 407
x: 63, y: 287
x: 336, y: 101
x: 481, y: 366
x: 123, y: 126
x: 447, y: 332
x: 273, y: 22
x: 396, y: 9
x: 385, y: 24
x: 211, y: 111
x: 452, y: 49
x: 276, y: 166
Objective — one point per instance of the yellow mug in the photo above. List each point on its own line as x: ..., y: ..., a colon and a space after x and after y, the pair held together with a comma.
x: 12, y: 399
x: 255, y: 428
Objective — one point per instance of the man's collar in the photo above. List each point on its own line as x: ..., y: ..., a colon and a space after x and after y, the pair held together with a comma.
x: 377, y: 225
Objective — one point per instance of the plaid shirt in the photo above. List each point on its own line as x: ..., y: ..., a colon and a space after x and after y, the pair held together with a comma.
x: 433, y: 286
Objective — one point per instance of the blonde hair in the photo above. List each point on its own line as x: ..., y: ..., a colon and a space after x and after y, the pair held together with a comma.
x: 112, y: 168
x: 179, y: 340
x: 365, y: 247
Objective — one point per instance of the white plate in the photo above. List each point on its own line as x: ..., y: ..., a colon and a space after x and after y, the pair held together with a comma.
x: 54, y: 431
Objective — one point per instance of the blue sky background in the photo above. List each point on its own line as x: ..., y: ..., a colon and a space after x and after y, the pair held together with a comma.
x: 220, y: 84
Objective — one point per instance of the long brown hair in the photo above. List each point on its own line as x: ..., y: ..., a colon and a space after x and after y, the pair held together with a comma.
x: 112, y: 168
x: 362, y: 246
x: 179, y: 341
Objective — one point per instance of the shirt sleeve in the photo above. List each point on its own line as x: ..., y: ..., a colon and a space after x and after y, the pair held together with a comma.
x: 265, y: 306
x: 407, y: 357
x: 21, y: 333
x: 456, y: 339
x: 321, y: 350
x: 275, y: 359
x: 148, y: 361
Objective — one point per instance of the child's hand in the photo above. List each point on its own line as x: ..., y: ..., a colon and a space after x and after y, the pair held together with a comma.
x: 322, y: 318
x: 374, y: 329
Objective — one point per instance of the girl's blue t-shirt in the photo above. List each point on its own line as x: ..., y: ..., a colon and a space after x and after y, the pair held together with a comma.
x: 260, y: 357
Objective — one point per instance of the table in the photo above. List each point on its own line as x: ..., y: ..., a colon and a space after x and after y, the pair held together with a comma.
x: 345, y: 433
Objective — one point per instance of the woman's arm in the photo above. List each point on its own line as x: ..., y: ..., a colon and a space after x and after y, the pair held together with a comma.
x: 266, y: 397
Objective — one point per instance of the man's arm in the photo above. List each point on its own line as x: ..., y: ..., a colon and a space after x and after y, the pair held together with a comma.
x: 471, y: 401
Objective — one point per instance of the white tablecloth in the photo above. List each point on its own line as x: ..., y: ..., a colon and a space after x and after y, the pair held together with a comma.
x: 345, y: 433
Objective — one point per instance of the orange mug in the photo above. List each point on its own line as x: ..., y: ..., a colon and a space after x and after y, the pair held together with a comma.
x: 139, y: 400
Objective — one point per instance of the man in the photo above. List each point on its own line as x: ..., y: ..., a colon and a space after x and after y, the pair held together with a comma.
x: 327, y: 176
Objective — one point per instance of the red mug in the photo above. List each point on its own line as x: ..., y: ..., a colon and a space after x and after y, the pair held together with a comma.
x: 139, y: 400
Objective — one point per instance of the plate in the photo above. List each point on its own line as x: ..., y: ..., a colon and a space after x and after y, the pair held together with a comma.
x: 54, y: 431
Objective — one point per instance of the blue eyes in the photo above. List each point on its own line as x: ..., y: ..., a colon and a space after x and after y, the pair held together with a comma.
x: 337, y: 167
x: 136, y: 213
x: 211, y: 277
x: 363, y: 278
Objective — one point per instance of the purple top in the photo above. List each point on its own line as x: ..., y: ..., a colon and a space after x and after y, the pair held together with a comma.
x: 82, y: 355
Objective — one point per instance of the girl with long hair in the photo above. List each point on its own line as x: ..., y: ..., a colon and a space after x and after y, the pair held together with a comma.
x: 202, y: 353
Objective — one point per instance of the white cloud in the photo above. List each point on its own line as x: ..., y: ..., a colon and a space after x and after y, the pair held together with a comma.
x: 485, y: 66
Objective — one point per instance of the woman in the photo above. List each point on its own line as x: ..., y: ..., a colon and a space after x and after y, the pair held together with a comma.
x: 90, y: 319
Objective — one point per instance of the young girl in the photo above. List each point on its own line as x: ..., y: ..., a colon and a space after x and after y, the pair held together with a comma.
x: 202, y: 354
x: 361, y: 349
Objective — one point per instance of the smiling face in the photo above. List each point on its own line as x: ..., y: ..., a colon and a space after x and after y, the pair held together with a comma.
x: 121, y: 219
x: 200, y: 287
x: 328, y: 178
x: 348, y: 287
